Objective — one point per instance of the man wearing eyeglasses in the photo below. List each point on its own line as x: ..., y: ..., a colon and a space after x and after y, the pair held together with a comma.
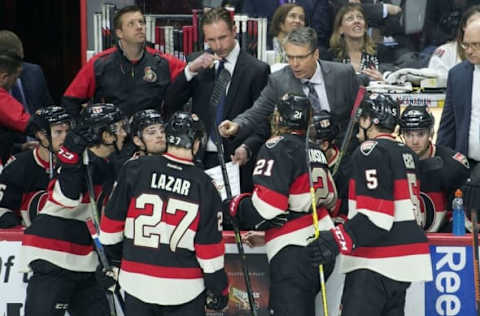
x: 329, y: 86
x: 460, y: 123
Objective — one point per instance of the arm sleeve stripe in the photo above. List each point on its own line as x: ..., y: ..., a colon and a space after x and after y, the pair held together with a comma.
x: 209, y: 251
x: 274, y: 199
x: 109, y: 225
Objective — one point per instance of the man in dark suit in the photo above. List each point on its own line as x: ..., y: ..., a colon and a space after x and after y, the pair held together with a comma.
x: 246, y: 78
x: 460, y: 123
x: 330, y: 86
x: 31, y: 88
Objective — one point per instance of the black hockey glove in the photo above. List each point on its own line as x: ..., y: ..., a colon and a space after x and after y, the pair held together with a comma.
x: 107, y: 279
x: 275, y: 222
x: 9, y: 220
x: 471, y: 195
x: 329, y: 244
x: 230, y: 207
x: 74, y: 145
x: 216, y: 301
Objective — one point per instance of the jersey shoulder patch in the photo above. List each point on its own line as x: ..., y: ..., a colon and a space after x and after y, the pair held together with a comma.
x: 367, y: 147
x: 272, y: 142
x: 461, y: 159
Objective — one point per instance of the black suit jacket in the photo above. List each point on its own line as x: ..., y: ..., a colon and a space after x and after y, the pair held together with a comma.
x: 249, y: 77
x: 34, y: 87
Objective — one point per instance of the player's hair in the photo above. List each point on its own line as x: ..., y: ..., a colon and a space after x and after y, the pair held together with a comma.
x: 10, y: 61
x: 10, y: 40
x: 117, y: 20
x: 303, y: 36
x: 216, y: 15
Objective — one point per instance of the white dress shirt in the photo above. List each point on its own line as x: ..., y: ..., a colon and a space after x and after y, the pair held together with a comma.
x: 474, y: 134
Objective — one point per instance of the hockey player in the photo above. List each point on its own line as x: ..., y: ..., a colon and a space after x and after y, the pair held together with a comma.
x: 442, y: 170
x: 57, y: 246
x: 164, y: 223
x: 25, y: 178
x: 148, y: 132
x: 281, y: 205
x: 381, y: 240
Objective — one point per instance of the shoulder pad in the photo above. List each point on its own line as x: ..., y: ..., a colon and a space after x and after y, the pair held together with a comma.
x: 461, y: 159
x: 272, y: 142
x: 367, y: 147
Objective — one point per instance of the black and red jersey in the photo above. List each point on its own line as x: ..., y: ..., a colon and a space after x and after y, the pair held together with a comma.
x: 23, y: 180
x: 437, y: 187
x: 383, y: 211
x: 112, y: 78
x: 166, y: 215
x: 281, y: 184
x: 59, y: 234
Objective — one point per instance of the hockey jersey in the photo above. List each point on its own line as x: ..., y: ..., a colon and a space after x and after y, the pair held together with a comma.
x: 166, y: 215
x: 23, y: 185
x: 437, y: 187
x: 383, y: 207
x: 281, y: 185
x: 59, y: 234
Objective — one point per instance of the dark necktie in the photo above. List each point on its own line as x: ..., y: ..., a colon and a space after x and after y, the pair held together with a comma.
x: 217, y: 100
x: 313, y: 97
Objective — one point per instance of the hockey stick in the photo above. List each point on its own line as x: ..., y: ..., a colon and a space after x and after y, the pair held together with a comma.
x: 315, y: 221
x: 93, y: 225
x: 50, y: 165
x: 354, y: 116
x: 476, y: 268
x: 236, y: 229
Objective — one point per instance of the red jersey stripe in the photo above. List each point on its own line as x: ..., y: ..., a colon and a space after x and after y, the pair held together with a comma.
x: 271, y: 197
x: 391, y: 251
x: 58, y: 245
x: 210, y: 251
x: 161, y: 271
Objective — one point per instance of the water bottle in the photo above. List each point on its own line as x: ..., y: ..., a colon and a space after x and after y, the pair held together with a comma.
x: 458, y: 214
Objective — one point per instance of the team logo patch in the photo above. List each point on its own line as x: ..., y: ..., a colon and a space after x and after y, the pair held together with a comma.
x: 150, y: 75
x: 367, y: 147
x: 408, y: 161
x: 461, y: 159
x: 273, y: 141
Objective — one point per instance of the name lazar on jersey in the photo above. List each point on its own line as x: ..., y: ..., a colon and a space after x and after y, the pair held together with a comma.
x: 317, y: 155
x: 170, y: 184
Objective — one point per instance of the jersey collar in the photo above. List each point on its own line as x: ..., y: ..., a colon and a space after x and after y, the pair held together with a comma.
x: 178, y: 159
x: 42, y: 163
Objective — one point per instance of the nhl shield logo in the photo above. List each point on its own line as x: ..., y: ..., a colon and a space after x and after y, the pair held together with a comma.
x: 367, y: 147
x: 150, y: 75
x: 273, y: 141
x: 461, y: 159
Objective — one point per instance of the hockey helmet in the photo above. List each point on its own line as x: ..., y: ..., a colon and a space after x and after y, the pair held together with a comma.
x: 183, y: 128
x: 325, y: 126
x: 51, y: 115
x: 98, y: 118
x: 382, y: 109
x: 416, y: 117
x: 294, y: 110
x: 142, y: 119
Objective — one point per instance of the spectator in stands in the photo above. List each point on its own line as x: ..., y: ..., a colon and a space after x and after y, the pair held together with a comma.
x: 130, y: 75
x: 244, y: 78
x: 451, y: 53
x: 460, y: 123
x: 350, y: 42
x: 317, y: 14
x: 13, y: 117
x: 287, y: 17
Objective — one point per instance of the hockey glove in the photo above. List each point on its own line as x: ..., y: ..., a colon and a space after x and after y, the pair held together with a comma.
x: 231, y: 206
x: 107, y: 278
x: 275, y: 222
x: 217, y: 301
x: 471, y: 193
x: 329, y: 244
x: 74, y: 145
x: 9, y: 220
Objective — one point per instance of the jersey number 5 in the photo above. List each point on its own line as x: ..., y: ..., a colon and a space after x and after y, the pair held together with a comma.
x: 148, y: 227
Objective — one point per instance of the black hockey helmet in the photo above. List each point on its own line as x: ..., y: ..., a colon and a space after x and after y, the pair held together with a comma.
x: 294, y: 110
x: 325, y: 126
x: 382, y: 109
x: 416, y: 117
x: 142, y: 119
x: 98, y: 118
x: 183, y: 128
x: 45, y: 117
